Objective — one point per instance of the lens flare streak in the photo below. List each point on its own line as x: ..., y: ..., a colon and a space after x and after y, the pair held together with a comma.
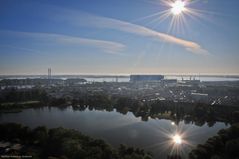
x: 179, y: 12
x: 176, y: 139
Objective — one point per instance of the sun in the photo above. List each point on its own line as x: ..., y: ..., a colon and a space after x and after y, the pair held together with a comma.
x: 178, y: 7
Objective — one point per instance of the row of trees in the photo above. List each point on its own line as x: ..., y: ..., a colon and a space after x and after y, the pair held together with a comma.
x: 198, y: 113
x: 195, y: 112
x: 225, y: 145
x: 21, y: 95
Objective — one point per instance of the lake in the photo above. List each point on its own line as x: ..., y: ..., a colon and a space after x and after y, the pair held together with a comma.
x: 153, y: 135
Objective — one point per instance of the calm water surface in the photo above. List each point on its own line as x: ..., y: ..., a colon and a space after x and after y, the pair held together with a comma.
x: 115, y: 128
x: 127, y: 79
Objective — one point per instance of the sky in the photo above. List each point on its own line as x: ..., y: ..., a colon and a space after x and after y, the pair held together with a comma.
x: 118, y: 37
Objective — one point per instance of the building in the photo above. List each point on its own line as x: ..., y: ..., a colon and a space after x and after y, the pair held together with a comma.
x: 202, y: 97
x: 135, y: 78
x: 74, y: 81
x: 170, y: 82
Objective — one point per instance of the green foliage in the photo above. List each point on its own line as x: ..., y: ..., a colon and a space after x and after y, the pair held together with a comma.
x: 232, y: 147
x: 225, y: 145
x: 40, y: 135
x: 13, y: 132
x: 18, y: 95
x: 132, y: 153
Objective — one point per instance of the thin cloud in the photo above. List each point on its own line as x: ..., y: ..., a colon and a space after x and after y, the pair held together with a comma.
x: 106, y: 46
x: 86, y: 19
x: 20, y: 48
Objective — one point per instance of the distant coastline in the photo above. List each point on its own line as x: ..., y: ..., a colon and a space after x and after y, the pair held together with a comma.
x: 125, y: 78
x: 113, y: 75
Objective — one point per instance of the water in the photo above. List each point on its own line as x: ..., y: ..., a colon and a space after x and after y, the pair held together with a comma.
x: 107, y: 79
x: 115, y: 128
x: 203, y: 78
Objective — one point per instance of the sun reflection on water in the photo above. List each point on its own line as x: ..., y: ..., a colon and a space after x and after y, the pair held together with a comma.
x: 178, y: 143
x: 177, y: 139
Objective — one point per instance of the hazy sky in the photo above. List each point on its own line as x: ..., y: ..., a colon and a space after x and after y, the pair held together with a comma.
x: 118, y: 37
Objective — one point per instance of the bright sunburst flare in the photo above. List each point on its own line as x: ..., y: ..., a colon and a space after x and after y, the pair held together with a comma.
x: 177, y: 139
x: 179, y: 11
x: 178, y: 7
